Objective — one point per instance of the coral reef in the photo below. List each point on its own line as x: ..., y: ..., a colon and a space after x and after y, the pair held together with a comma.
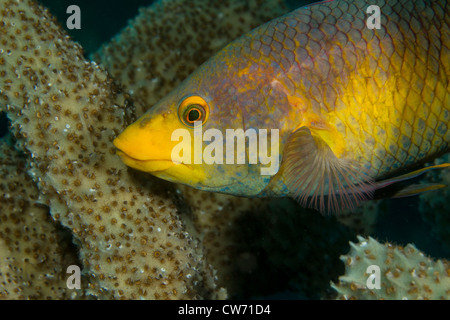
x: 406, y: 273
x: 34, y: 252
x: 289, y: 251
x: 363, y: 219
x: 137, y: 237
x: 73, y: 171
x: 65, y: 112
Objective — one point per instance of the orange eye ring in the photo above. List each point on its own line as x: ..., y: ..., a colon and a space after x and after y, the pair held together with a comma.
x: 192, y: 110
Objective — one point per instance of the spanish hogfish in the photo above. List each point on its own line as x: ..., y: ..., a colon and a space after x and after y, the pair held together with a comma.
x: 354, y: 108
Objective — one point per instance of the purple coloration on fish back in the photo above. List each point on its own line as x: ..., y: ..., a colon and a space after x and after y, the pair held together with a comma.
x: 366, y: 94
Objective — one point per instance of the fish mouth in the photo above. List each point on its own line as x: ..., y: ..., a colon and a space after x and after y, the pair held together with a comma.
x: 147, y: 165
x: 165, y: 169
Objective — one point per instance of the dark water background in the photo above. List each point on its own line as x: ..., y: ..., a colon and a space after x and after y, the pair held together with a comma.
x: 102, y: 19
x: 401, y: 223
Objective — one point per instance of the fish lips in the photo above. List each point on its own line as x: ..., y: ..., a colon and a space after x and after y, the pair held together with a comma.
x: 148, y: 165
x: 165, y: 169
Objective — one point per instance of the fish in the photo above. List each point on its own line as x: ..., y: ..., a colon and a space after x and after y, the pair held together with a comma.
x: 327, y: 104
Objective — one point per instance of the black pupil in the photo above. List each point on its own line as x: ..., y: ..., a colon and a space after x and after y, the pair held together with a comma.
x: 193, y: 115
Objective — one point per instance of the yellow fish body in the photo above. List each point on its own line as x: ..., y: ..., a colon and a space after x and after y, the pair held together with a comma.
x: 330, y: 102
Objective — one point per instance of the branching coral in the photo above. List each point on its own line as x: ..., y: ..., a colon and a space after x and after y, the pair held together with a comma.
x: 72, y: 170
x: 268, y: 247
x: 406, y: 273
x: 34, y: 253
x: 132, y: 241
x: 65, y: 112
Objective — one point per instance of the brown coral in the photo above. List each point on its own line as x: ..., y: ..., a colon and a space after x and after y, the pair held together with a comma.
x: 84, y: 171
x: 65, y: 112
x: 133, y: 242
x: 34, y: 252
x: 74, y: 175
x: 405, y: 272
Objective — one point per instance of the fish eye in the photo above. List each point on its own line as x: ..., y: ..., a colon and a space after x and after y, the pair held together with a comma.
x: 194, y: 113
x: 193, y: 109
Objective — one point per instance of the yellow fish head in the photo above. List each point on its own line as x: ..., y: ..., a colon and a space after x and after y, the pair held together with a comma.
x: 146, y: 145
x: 183, y: 139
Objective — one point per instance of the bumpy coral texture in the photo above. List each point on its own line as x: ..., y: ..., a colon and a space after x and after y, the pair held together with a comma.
x: 406, y: 273
x: 65, y: 113
x: 133, y: 242
x: 248, y: 242
x: 60, y: 115
x: 34, y: 253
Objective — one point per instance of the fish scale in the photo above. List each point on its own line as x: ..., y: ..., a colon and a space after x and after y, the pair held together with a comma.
x: 385, y: 91
x: 356, y: 108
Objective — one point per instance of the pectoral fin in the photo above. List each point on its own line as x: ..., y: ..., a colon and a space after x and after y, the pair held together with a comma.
x: 316, y: 178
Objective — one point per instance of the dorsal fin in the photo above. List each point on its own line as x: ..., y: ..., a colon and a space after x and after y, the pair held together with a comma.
x: 316, y: 178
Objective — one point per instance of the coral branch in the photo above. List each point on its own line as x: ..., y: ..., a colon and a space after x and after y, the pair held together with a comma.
x: 405, y: 272
x: 34, y: 253
x: 65, y: 112
x: 132, y: 241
